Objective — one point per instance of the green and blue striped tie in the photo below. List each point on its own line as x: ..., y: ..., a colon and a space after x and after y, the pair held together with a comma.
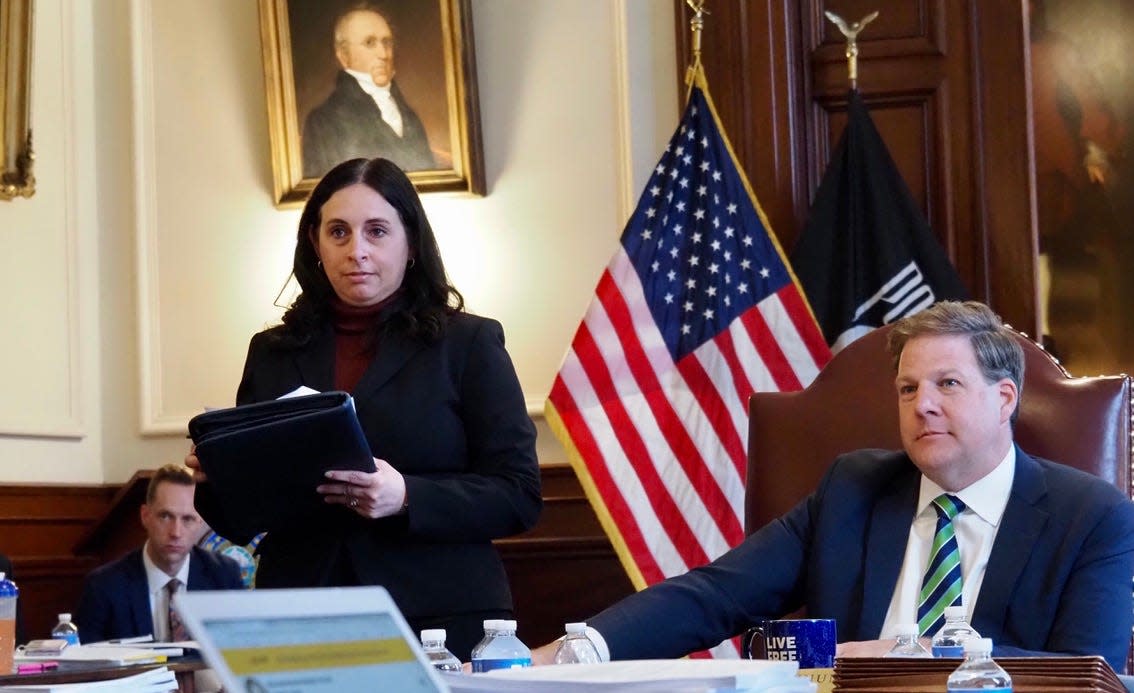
x: 941, y: 586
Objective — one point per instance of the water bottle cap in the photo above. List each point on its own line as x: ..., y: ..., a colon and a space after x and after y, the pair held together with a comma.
x: 7, y: 587
x: 65, y: 618
x: 906, y: 629
x: 981, y: 645
x: 953, y: 613
x: 433, y: 634
x: 507, y: 624
x: 575, y: 627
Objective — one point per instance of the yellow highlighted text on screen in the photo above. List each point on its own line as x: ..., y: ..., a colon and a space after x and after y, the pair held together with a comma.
x: 322, y: 655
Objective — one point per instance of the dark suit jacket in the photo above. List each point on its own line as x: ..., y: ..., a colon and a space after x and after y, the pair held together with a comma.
x: 1058, y: 577
x: 116, y: 604
x: 450, y: 416
x: 349, y: 125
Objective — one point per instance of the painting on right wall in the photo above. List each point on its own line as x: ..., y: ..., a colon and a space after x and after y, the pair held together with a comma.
x: 1083, y: 109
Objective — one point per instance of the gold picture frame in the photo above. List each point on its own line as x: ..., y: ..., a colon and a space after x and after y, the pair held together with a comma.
x: 16, y: 157
x: 434, y: 81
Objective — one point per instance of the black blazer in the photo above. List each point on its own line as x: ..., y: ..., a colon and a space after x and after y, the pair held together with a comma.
x: 116, y: 596
x: 349, y: 124
x: 450, y: 416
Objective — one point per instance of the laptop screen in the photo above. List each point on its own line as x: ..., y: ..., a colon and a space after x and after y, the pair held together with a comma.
x: 311, y: 641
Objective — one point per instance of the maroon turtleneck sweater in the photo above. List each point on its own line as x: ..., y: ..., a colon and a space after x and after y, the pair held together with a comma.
x: 353, y: 354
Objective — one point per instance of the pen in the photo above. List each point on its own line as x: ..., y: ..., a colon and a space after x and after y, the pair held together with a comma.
x: 36, y: 667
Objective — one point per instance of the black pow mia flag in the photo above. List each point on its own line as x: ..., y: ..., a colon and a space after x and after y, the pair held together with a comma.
x: 867, y: 256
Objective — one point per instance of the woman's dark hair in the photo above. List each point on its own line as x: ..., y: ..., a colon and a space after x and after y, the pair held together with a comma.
x: 425, y: 299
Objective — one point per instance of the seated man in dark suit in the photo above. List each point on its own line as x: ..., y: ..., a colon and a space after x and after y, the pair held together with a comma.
x: 1046, y: 552
x: 130, y: 597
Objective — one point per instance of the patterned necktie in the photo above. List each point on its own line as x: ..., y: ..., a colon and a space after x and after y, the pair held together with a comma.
x: 176, y: 627
x: 941, y: 586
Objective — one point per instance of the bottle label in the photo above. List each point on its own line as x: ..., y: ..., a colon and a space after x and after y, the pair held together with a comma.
x: 948, y: 651
x: 482, y: 665
x: 71, y: 638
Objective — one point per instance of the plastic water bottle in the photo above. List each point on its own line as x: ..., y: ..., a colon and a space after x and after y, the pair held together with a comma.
x: 907, y: 644
x: 433, y: 640
x: 9, y: 593
x: 500, y: 648
x: 950, y: 640
x: 576, y: 647
x: 979, y: 672
x: 65, y: 630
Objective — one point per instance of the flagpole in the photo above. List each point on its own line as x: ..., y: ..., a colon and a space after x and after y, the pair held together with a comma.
x: 696, y: 25
x: 851, y: 31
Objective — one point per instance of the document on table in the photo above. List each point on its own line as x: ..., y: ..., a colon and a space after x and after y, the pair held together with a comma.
x: 159, y: 680
x: 113, y: 655
x: 641, y: 676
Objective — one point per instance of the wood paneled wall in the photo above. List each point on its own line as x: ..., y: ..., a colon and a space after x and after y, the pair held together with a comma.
x: 564, y: 569
x: 947, y: 84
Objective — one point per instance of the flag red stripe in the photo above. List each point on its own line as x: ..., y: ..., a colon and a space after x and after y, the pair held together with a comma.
x: 684, y: 450
x: 668, y: 514
x: 805, y: 326
x: 704, y: 390
x: 591, y: 454
x: 770, y: 351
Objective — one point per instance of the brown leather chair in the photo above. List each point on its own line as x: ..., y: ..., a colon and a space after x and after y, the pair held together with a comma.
x: 794, y: 436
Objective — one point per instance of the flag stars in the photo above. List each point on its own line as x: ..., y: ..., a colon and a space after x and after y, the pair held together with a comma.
x: 688, y: 306
x: 716, y: 222
x: 708, y: 313
x: 661, y: 167
x: 680, y: 150
x: 705, y: 142
x: 699, y: 214
x: 673, y: 253
x: 669, y: 298
x: 685, y: 329
x: 691, y: 283
x: 729, y: 232
x: 655, y: 190
x: 765, y: 273
x: 687, y: 159
x: 696, y: 236
x: 716, y: 245
x: 716, y: 176
x: 694, y: 261
x: 690, y: 135
x: 684, y: 183
x: 651, y: 212
x: 647, y: 234
x: 655, y: 266
x: 713, y: 268
x: 702, y: 190
x: 747, y: 241
x: 745, y: 264
x: 677, y: 229
x: 727, y: 301
x: 704, y: 166
x: 680, y: 206
x: 711, y: 291
x: 732, y: 208
x: 742, y: 287
x: 673, y: 173
x: 728, y: 256
x: 671, y: 275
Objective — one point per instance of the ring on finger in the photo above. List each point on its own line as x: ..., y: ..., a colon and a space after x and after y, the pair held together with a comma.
x: 353, y: 502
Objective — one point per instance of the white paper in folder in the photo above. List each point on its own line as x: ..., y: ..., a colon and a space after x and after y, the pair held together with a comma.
x: 642, y: 676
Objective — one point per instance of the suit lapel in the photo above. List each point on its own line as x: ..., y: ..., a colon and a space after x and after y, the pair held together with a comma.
x: 1023, y: 522
x: 316, y: 362
x: 138, y: 594
x: 394, y: 351
x: 886, y: 542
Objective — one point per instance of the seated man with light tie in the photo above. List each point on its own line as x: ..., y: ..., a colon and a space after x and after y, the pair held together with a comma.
x: 130, y: 597
x: 1046, y: 552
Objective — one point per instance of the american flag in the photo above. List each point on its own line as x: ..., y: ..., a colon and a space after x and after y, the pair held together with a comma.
x: 696, y: 311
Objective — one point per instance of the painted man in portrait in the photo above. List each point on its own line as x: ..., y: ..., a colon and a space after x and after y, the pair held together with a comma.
x: 366, y: 115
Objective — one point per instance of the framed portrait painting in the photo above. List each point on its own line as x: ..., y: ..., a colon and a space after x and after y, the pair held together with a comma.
x: 395, y: 79
x: 16, y: 179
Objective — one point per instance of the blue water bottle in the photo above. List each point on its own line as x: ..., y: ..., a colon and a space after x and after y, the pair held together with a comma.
x: 979, y: 673
x: 950, y: 640
x: 500, y: 648
x: 66, y: 630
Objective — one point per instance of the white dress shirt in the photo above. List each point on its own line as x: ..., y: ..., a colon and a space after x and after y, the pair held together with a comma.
x: 382, y: 97
x: 159, y: 601
x: 975, y: 528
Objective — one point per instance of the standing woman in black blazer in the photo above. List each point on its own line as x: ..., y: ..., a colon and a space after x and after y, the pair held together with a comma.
x: 438, y: 399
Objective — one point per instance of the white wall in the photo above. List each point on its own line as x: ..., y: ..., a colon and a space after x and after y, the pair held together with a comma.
x: 152, y: 250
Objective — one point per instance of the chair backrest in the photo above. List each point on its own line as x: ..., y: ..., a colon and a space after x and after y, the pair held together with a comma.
x: 852, y: 404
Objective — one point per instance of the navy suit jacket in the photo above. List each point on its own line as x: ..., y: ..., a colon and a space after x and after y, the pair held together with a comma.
x: 1058, y: 578
x: 116, y: 602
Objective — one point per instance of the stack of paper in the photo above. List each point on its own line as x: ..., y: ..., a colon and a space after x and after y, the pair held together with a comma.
x: 1029, y: 675
x: 160, y: 680
x: 104, y: 654
x: 641, y: 676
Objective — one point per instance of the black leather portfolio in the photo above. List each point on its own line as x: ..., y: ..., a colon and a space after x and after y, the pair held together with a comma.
x: 264, y: 460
